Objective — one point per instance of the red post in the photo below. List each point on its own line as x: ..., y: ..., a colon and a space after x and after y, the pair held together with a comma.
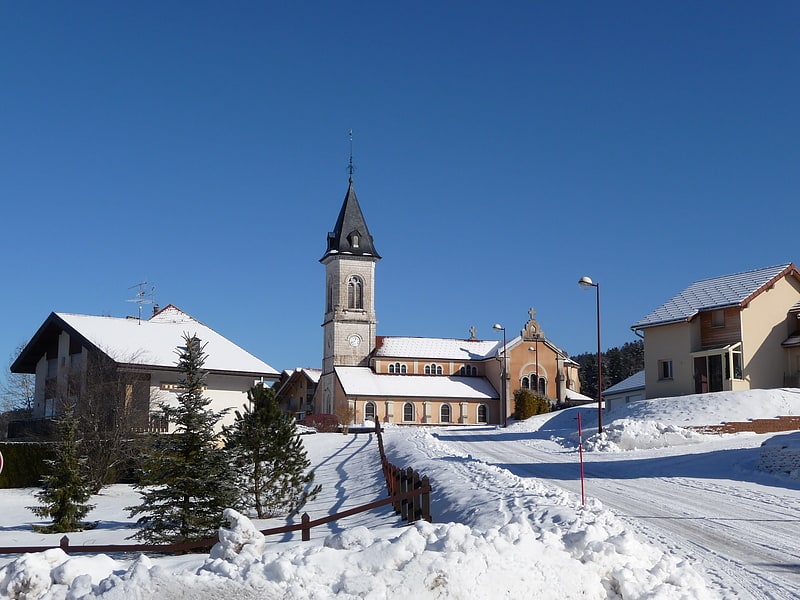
x: 580, y: 454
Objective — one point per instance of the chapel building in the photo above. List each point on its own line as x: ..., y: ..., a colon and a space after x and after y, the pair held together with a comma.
x: 416, y: 380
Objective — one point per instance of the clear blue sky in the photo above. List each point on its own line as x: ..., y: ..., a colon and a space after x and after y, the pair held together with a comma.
x: 502, y: 151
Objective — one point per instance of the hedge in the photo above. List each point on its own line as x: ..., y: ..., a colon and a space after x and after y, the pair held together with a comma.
x: 24, y: 463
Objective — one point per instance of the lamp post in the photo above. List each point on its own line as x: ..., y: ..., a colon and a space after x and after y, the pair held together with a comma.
x: 499, y: 327
x: 586, y: 283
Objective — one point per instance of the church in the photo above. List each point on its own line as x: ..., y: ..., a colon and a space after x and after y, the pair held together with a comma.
x: 415, y: 380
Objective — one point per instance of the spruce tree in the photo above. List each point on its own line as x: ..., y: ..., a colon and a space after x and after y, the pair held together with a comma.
x: 187, y: 479
x: 271, y: 460
x: 66, y: 488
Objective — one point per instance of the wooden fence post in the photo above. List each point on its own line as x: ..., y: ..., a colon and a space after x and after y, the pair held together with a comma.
x: 306, y: 530
x: 426, y: 499
x: 416, y: 499
x: 64, y: 544
x: 397, y: 477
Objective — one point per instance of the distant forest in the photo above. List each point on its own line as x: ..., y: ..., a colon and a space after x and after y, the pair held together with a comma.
x: 618, y: 364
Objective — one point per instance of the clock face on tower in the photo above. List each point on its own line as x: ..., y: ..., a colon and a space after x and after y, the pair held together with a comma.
x: 354, y: 340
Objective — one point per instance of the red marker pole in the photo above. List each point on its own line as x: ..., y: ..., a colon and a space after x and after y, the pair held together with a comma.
x: 580, y: 454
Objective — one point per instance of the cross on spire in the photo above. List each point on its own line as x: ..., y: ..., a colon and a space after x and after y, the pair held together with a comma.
x: 351, y: 168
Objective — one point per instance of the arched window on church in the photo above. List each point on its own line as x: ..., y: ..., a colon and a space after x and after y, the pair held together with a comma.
x: 397, y: 369
x: 444, y: 413
x: 408, y: 412
x: 433, y: 369
x: 355, y: 292
x: 482, y: 413
x: 469, y: 370
x: 525, y: 384
x: 369, y: 411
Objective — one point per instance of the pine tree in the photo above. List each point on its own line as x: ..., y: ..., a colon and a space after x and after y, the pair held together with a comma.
x: 271, y: 459
x: 67, y: 487
x: 187, y: 478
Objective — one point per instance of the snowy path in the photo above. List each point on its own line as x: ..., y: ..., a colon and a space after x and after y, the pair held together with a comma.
x: 743, y: 533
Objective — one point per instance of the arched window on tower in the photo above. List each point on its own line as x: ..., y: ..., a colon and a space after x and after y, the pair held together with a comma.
x: 355, y: 293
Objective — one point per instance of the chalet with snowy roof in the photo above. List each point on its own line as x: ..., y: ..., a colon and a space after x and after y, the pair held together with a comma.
x: 735, y: 332
x: 65, y: 351
x: 296, y: 391
x: 415, y: 380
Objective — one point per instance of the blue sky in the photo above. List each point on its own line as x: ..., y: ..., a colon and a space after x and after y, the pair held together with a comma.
x: 502, y: 151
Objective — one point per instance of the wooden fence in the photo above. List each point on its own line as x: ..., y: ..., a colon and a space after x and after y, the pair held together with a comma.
x: 408, y: 493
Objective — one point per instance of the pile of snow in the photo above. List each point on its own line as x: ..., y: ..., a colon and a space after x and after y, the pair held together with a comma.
x: 631, y: 434
x: 714, y: 408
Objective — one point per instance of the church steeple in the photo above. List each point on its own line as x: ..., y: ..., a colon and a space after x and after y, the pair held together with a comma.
x: 350, y: 235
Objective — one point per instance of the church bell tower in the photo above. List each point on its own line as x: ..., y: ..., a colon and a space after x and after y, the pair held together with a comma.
x: 349, y: 325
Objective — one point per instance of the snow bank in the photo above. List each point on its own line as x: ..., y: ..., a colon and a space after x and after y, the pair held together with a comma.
x: 629, y: 434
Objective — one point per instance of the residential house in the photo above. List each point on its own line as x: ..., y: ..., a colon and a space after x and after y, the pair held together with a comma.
x: 415, y: 380
x: 296, y: 391
x: 65, y: 350
x: 734, y: 332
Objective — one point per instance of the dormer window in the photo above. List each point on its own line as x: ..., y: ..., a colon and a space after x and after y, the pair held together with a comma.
x: 354, y: 239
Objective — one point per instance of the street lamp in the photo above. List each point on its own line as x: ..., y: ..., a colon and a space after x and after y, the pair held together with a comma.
x: 586, y: 283
x: 503, y: 407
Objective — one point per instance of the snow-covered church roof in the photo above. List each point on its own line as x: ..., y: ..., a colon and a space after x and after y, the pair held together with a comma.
x: 362, y: 381
x: 435, y: 348
x: 152, y: 342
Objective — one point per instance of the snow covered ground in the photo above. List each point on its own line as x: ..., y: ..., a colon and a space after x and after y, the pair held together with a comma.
x: 668, y: 513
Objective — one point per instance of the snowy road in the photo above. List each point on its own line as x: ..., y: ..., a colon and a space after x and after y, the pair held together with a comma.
x: 740, y: 526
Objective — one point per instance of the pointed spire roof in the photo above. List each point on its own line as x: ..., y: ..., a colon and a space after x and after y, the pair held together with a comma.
x: 350, y: 235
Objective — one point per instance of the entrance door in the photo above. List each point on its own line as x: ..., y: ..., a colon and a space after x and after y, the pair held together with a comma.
x: 715, y: 373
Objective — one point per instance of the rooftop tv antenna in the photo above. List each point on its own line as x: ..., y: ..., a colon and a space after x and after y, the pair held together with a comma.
x: 142, y: 296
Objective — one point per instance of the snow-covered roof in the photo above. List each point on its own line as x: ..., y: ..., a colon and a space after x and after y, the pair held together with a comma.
x: 362, y: 381
x: 312, y: 374
x: 717, y: 292
x: 435, y: 348
x: 578, y: 397
x: 155, y: 341
x: 634, y: 382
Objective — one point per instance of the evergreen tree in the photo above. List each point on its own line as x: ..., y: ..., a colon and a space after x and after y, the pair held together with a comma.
x: 618, y: 364
x: 187, y: 479
x: 66, y: 488
x: 271, y: 460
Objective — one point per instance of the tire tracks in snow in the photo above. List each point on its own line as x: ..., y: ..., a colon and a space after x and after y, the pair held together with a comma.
x: 744, y: 538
